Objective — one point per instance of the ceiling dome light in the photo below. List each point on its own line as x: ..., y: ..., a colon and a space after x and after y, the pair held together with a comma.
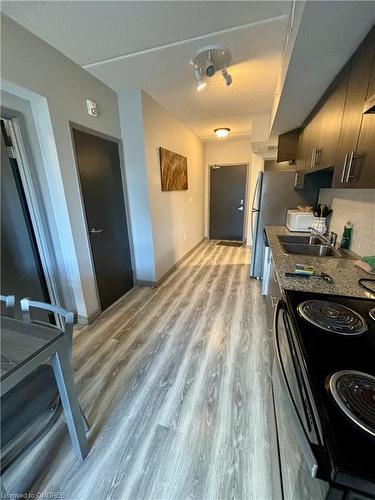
x: 227, y: 77
x: 222, y: 132
x: 199, y: 82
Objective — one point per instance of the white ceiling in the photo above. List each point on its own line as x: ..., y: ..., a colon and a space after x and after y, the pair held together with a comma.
x: 150, y: 45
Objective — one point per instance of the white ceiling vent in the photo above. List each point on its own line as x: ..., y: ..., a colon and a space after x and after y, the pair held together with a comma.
x: 267, y: 150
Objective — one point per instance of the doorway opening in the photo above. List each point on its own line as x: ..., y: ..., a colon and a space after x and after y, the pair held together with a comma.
x: 227, y: 202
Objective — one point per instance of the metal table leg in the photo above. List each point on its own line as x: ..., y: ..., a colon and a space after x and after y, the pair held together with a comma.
x: 65, y: 383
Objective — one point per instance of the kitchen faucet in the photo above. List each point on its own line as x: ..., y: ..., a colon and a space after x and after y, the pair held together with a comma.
x: 331, y: 239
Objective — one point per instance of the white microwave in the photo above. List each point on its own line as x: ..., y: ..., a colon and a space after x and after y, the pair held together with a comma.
x: 299, y: 221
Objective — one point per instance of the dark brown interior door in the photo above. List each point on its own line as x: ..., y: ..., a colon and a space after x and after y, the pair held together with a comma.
x: 227, y: 202
x: 100, y: 173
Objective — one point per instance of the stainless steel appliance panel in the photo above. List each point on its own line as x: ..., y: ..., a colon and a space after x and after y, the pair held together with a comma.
x: 298, y: 463
x: 274, y: 195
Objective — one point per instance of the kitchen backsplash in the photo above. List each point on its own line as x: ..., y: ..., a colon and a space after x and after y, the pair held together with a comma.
x: 358, y: 206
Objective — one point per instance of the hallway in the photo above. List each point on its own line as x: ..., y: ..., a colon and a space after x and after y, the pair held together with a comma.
x: 174, y: 383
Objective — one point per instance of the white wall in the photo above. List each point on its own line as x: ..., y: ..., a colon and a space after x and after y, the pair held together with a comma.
x: 177, y: 216
x: 224, y: 151
x: 57, y: 90
x: 131, y: 116
x: 357, y: 206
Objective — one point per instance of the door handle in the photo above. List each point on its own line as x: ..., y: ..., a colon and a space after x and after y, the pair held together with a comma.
x: 240, y: 209
x: 96, y: 231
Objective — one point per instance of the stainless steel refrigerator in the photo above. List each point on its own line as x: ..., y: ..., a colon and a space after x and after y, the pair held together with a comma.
x: 274, y: 194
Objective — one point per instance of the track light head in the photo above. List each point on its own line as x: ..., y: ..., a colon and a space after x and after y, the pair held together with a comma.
x: 227, y: 77
x: 209, y: 68
x: 199, y: 82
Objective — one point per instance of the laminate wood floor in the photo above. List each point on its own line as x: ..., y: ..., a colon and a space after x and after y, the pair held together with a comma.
x: 174, y: 381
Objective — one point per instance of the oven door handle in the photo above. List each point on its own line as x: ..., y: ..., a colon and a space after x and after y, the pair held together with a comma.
x: 308, y: 453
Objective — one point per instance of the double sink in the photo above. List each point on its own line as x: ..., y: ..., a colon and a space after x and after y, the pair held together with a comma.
x: 307, y: 245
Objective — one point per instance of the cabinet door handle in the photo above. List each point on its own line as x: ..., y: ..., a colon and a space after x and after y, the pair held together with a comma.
x: 312, y: 162
x: 318, y: 154
x: 344, y: 168
x: 296, y: 175
x: 352, y: 157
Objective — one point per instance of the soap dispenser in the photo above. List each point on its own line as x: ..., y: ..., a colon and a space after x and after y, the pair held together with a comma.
x: 346, y: 235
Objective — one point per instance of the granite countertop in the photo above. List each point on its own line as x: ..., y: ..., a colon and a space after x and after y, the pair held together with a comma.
x: 343, y: 270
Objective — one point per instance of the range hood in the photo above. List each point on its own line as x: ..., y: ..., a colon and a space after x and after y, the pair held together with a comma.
x: 369, y: 106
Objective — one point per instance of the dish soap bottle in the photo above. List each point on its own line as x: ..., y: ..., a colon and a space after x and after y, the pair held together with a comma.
x: 346, y: 235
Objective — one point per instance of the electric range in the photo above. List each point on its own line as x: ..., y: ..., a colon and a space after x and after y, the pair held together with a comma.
x: 336, y: 337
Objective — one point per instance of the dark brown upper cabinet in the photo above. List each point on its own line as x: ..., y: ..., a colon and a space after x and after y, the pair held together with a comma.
x: 313, y: 137
x: 337, y: 133
x: 331, y: 114
x: 363, y: 173
x: 303, y: 156
x: 350, y: 166
x: 308, y: 143
x: 287, y: 148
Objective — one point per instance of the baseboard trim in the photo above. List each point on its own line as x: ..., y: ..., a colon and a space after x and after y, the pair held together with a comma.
x: 179, y: 262
x: 151, y: 284
x: 84, y: 320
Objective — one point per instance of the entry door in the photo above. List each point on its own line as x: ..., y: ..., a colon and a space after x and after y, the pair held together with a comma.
x: 101, y: 183
x: 21, y: 267
x: 227, y: 201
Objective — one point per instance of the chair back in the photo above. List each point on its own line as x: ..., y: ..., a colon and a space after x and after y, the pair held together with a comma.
x: 67, y: 317
x: 10, y: 302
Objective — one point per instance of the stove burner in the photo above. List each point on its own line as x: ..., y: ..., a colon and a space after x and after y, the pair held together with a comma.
x: 332, y: 317
x: 371, y: 313
x: 354, y: 392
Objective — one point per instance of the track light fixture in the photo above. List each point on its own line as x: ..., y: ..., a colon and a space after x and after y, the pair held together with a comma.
x: 208, y: 61
x: 199, y: 82
x: 227, y: 77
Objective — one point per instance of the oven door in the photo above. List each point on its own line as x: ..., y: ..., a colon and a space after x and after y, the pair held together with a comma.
x: 296, y: 433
